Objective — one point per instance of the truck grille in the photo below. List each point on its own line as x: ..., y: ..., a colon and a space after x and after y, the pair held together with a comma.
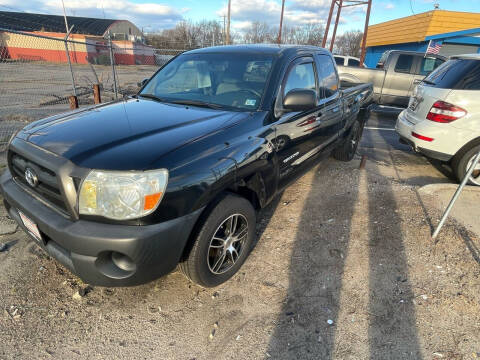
x: 47, y: 188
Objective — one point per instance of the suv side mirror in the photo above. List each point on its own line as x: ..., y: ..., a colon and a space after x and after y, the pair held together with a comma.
x: 300, y: 100
x: 143, y: 82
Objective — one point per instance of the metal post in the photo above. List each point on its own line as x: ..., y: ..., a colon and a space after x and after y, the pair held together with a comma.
x: 279, y: 40
x: 456, y: 195
x: 365, y: 32
x: 325, y: 37
x: 97, y: 99
x: 336, y: 25
x: 69, y: 62
x: 112, y: 63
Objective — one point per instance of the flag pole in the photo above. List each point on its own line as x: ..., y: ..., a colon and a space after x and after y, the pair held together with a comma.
x: 428, y: 47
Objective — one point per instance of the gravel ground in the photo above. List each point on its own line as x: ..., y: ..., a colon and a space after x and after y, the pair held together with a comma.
x: 344, y: 268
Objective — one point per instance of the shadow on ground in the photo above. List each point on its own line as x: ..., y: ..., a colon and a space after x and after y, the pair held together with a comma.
x: 317, y: 268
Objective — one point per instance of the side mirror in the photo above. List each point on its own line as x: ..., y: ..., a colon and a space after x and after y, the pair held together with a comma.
x: 300, y: 100
x: 143, y: 82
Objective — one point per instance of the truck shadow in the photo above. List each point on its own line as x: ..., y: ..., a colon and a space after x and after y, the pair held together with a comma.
x: 312, y: 324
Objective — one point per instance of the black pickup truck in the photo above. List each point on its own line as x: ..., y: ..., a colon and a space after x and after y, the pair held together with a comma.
x: 123, y: 192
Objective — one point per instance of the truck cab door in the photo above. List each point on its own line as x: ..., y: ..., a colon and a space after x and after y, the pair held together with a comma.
x: 296, y: 133
x: 398, y: 80
x: 331, y: 119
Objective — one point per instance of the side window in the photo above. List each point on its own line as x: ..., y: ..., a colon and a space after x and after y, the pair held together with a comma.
x: 301, y: 76
x: 427, y: 65
x: 328, y: 77
x: 339, y: 60
x: 404, y: 64
x: 353, y: 62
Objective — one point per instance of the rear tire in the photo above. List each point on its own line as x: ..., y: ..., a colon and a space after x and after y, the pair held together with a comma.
x: 227, y: 232
x: 346, y: 151
x: 461, y: 162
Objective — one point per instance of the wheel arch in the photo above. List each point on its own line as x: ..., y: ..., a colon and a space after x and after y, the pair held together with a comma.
x: 251, y: 188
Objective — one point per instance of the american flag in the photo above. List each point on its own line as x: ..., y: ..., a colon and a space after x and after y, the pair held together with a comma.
x: 433, y: 47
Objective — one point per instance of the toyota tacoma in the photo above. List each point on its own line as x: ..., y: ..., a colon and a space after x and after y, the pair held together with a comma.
x: 121, y: 193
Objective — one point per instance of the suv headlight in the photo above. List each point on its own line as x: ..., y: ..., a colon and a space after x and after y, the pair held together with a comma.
x: 122, y: 195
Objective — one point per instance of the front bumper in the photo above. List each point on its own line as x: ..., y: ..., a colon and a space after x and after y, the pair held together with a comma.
x: 404, y: 129
x: 91, y: 249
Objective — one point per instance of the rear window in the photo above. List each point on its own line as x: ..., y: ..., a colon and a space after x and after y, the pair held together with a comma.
x: 458, y: 74
x: 353, y: 62
x: 339, y: 60
x: 429, y: 64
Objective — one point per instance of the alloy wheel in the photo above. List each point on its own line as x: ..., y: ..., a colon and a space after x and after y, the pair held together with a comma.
x: 227, y: 244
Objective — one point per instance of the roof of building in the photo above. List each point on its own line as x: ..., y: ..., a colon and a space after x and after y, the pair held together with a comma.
x: 418, y: 27
x: 22, y: 21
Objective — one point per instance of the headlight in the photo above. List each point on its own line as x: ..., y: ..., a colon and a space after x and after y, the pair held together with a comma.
x: 122, y: 195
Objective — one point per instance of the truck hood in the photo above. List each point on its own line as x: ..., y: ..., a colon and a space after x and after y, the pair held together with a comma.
x: 126, y: 135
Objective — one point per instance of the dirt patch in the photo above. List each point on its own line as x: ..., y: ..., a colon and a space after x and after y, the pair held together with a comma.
x: 344, y: 268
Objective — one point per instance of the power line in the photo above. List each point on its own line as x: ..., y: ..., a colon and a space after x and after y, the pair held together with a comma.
x: 411, y: 7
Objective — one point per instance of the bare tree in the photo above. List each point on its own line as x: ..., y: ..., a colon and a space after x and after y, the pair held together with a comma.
x: 309, y: 34
x: 259, y: 32
x: 349, y: 43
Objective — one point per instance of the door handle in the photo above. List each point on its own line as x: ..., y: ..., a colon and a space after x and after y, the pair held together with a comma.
x: 417, y: 81
x: 336, y: 109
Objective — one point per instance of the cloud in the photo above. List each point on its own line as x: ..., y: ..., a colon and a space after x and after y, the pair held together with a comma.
x: 297, y: 12
x: 389, y: 6
x: 156, y: 15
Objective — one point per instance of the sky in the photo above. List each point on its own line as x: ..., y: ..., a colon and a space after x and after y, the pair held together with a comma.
x: 154, y: 15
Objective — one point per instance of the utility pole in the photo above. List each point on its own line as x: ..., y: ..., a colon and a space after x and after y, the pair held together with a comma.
x: 65, y: 17
x: 228, y: 22
x: 224, y: 35
x: 279, y: 40
x: 365, y: 33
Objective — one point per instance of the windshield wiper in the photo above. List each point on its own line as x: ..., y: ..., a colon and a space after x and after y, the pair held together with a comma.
x: 153, y: 97
x: 428, y: 82
x: 197, y: 103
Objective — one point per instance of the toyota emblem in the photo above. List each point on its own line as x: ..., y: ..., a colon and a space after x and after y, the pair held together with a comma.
x: 31, y: 177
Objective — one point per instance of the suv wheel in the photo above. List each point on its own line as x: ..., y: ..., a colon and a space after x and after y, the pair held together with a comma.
x: 222, y: 243
x: 461, y: 163
x: 346, y: 151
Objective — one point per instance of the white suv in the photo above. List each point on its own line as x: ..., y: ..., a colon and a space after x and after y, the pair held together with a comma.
x: 442, y: 120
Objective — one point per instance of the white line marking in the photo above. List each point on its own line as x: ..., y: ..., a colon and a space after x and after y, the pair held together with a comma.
x: 379, y: 128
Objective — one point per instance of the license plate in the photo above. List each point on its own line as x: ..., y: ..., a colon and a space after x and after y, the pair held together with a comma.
x: 31, y: 226
x: 413, y: 103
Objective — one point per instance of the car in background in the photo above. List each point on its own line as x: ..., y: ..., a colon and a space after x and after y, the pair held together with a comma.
x: 343, y: 60
x: 395, y: 76
x: 442, y: 120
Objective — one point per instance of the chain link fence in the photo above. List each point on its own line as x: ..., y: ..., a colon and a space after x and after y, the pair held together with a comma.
x: 38, y: 74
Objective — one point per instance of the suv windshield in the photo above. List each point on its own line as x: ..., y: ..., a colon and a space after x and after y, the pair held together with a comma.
x: 458, y: 74
x: 226, y: 80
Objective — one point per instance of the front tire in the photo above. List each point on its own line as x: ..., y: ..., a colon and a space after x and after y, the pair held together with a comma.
x: 346, y: 151
x: 222, y: 243
x: 461, y: 163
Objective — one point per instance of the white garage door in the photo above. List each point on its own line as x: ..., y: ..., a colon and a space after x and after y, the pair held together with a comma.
x: 456, y: 49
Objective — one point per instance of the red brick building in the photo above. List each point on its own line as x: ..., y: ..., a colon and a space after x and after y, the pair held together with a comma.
x: 89, y: 35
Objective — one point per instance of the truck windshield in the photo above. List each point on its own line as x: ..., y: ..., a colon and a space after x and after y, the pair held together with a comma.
x: 217, y: 80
